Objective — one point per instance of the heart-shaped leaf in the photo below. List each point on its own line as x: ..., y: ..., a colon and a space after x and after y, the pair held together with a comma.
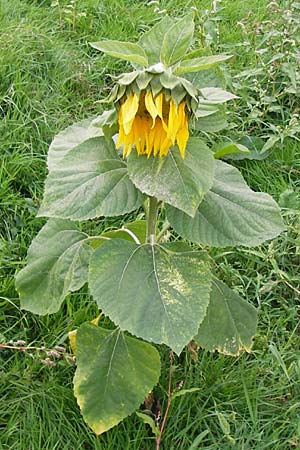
x: 230, y: 214
x: 57, y: 263
x: 114, y: 374
x: 69, y: 138
x: 155, y: 294
x: 179, y: 182
x: 229, y: 324
x: 90, y: 181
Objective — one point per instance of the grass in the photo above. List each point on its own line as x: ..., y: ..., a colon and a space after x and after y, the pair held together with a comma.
x: 50, y: 78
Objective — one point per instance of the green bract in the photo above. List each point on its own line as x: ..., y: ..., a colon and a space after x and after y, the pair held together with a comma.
x: 154, y: 292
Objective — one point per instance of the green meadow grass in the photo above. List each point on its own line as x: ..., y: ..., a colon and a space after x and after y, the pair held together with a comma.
x: 49, y: 78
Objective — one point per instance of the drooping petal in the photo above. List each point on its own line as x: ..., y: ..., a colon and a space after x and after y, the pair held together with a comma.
x: 159, y: 137
x: 153, y: 126
x: 173, y: 122
x: 128, y: 111
x: 165, y: 146
x: 159, y: 104
x: 150, y: 106
x: 182, y: 138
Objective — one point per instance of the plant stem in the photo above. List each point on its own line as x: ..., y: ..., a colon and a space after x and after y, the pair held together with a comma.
x: 151, y: 219
x: 158, y: 439
x: 163, y: 230
x: 24, y: 348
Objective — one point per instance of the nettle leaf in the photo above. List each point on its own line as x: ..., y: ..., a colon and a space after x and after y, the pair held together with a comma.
x: 152, y: 40
x: 202, y: 63
x: 177, y: 40
x: 230, y: 322
x: 69, y: 138
x: 113, y: 376
x: 123, y: 50
x: 90, y: 181
x: 254, y: 145
x: 179, y: 182
x: 148, y: 420
x: 227, y: 148
x: 158, y: 295
x: 57, y: 264
x: 230, y: 214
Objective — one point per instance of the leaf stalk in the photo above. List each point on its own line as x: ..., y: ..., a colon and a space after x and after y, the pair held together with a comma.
x: 152, y: 212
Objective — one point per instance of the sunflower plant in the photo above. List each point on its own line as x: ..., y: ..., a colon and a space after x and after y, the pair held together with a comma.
x: 146, y: 152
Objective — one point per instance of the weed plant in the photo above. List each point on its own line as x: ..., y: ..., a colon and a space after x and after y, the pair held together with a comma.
x: 269, y: 89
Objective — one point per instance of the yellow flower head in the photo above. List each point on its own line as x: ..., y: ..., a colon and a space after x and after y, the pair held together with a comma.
x: 152, y: 124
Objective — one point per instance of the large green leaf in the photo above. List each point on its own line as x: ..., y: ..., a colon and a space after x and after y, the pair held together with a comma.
x: 201, y: 63
x: 152, y: 40
x: 69, y: 138
x: 229, y: 324
x: 57, y: 263
x: 179, y: 182
x: 90, y: 181
x: 114, y: 374
x: 123, y: 50
x: 154, y: 293
x: 211, y: 123
x: 230, y: 214
x: 177, y: 40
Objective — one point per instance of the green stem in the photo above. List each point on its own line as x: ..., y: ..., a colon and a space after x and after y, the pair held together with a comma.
x: 151, y: 219
x: 163, y: 230
x: 158, y: 439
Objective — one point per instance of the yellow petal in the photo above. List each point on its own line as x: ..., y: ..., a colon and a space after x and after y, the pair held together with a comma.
x: 182, y: 138
x: 151, y: 108
x: 159, y: 136
x: 127, y: 150
x: 152, y: 135
x: 159, y: 104
x: 173, y: 122
x: 165, y: 146
x: 181, y: 114
x: 128, y: 111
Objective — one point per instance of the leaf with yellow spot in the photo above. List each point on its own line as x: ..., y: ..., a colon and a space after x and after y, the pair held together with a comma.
x: 229, y: 324
x: 114, y: 374
x: 72, y: 334
x: 170, y: 290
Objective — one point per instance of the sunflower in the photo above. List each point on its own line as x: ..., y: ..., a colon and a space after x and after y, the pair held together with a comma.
x: 152, y: 124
